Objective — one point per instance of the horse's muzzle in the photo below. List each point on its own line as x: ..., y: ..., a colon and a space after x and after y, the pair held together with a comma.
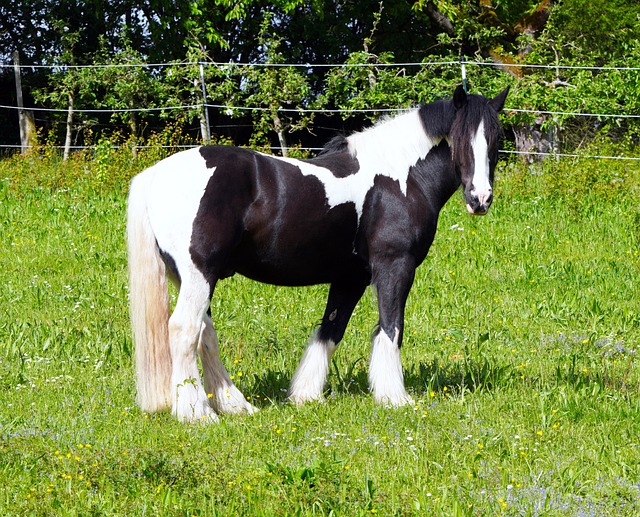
x: 479, y: 205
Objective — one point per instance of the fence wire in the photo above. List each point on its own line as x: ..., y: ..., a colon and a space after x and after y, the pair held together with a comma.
x: 231, y: 108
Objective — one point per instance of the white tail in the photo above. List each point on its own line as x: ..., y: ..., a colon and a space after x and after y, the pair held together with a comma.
x: 149, y: 302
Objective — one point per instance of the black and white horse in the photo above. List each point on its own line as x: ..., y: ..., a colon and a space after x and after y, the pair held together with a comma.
x: 364, y: 212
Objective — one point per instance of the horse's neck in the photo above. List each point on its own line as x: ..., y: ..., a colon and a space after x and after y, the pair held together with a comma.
x: 435, y: 178
x: 392, y: 147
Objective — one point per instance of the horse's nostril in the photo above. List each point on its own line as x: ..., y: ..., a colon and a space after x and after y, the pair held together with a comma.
x: 485, y: 199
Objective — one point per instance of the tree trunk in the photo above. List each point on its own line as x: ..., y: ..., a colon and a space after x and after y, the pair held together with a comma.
x: 67, y: 140
x: 204, y: 114
x: 204, y: 127
x: 533, y: 143
x: 133, y: 124
x: 282, y: 137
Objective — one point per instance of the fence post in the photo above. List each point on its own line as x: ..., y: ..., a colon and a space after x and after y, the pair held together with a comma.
x: 22, y: 116
x: 463, y: 71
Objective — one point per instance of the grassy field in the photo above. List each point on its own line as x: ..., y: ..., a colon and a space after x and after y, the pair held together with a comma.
x: 521, y: 347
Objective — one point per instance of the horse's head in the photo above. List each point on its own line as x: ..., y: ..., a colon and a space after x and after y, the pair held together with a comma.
x: 475, y: 139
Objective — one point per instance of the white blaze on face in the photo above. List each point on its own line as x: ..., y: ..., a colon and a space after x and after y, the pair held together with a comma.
x: 481, y: 186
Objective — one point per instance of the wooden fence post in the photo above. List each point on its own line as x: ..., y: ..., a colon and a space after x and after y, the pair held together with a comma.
x: 25, y: 118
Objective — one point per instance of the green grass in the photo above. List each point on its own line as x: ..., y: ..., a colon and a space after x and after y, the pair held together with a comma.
x: 521, y: 342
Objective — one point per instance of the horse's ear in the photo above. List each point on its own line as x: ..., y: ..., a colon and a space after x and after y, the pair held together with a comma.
x: 459, y: 97
x: 498, y: 101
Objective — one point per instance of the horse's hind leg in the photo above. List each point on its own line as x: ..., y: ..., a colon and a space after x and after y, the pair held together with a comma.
x: 224, y: 396
x: 310, y: 376
x: 190, y: 401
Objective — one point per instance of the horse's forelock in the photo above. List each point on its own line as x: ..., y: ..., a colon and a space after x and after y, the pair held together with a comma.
x: 466, y: 122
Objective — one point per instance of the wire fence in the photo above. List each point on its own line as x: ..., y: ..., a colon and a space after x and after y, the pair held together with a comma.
x: 228, y: 108
x: 327, y: 65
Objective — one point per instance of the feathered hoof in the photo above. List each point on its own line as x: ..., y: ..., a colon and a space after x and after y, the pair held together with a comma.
x: 395, y: 400
x: 198, y: 414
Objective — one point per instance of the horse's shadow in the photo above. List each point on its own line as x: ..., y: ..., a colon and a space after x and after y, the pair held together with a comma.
x: 458, y: 375
x: 269, y: 388
x: 421, y: 379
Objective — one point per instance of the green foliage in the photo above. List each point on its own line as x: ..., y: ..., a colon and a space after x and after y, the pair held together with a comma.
x: 364, y: 83
x: 272, y: 88
x: 567, y: 42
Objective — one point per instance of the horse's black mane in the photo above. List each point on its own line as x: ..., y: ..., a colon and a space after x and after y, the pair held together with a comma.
x: 337, y: 144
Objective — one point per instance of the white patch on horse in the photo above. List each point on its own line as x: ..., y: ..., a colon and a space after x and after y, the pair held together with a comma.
x: 174, y: 200
x: 308, y: 380
x: 389, y: 148
x: 385, y: 372
x: 481, y: 184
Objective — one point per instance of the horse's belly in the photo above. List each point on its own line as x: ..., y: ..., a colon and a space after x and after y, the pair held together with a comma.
x: 300, y: 267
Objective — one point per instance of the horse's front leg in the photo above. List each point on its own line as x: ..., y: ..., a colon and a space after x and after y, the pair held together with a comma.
x: 393, y: 281
x: 310, y: 376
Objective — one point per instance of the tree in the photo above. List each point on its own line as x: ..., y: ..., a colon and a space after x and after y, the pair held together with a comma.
x: 127, y: 85
x: 274, y: 87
